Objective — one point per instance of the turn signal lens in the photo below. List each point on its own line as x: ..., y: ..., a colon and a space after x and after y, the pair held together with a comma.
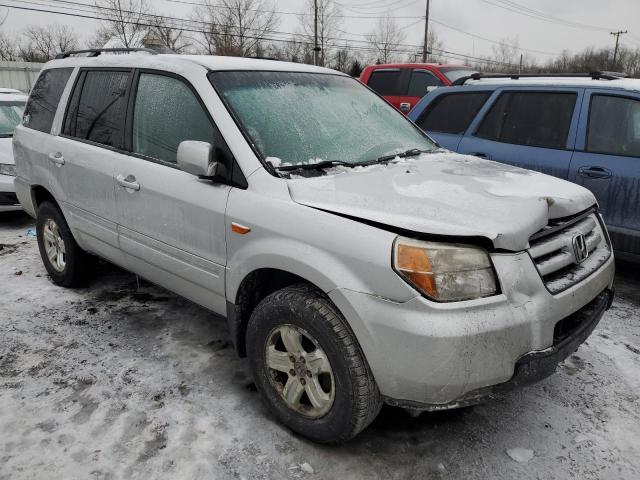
x: 445, y: 272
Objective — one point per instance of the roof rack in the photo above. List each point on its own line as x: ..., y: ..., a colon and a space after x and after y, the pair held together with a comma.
x: 94, y: 52
x: 516, y: 76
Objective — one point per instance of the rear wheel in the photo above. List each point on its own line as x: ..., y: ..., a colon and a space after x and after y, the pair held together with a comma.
x: 309, y: 367
x: 67, y: 264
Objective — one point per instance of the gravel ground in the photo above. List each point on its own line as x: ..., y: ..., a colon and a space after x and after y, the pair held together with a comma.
x: 125, y: 380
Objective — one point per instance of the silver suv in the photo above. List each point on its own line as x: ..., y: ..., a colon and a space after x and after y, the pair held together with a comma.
x: 355, y: 261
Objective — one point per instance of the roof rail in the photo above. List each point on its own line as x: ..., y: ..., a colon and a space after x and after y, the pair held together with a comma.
x: 516, y: 76
x: 94, y: 52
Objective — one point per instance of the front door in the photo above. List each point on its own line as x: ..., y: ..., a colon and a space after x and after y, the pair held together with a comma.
x: 171, y: 224
x: 607, y: 162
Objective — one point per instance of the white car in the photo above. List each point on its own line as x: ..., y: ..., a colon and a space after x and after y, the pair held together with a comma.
x: 12, y: 104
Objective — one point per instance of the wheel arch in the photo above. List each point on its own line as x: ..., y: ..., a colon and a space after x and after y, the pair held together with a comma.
x: 253, y: 288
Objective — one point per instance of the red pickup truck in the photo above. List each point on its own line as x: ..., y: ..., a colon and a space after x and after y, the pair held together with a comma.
x: 404, y: 84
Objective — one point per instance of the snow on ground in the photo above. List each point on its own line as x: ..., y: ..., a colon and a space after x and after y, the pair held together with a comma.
x: 122, y: 381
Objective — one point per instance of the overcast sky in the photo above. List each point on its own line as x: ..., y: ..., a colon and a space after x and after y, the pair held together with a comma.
x: 483, y: 18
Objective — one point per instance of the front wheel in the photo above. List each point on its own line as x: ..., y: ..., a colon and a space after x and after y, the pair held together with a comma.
x: 309, y: 367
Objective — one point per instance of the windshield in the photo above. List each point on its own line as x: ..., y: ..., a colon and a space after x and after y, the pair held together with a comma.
x: 455, y: 73
x: 305, y: 118
x: 10, y: 117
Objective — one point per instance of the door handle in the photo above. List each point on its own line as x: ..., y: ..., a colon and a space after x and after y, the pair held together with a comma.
x: 405, y: 106
x: 480, y: 155
x: 594, y: 172
x: 128, y: 182
x: 56, y: 158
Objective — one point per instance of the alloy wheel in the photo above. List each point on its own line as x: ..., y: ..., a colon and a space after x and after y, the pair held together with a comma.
x: 300, y: 371
x: 54, y: 245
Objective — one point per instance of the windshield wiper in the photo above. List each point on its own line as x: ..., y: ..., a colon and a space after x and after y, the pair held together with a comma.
x: 314, y: 166
x: 412, y: 152
x: 332, y: 163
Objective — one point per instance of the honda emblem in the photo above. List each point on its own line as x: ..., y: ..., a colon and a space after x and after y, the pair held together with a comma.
x: 580, y: 248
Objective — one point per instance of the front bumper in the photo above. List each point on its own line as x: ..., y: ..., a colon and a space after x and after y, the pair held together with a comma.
x: 430, y: 355
x: 535, y: 366
x: 8, y: 199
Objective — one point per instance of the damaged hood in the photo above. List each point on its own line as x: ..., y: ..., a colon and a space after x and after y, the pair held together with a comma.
x: 446, y: 194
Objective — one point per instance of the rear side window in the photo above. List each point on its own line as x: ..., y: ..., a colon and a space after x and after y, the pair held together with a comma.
x: 452, y: 113
x: 166, y: 113
x: 98, y: 108
x: 420, y: 82
x: 385, y: 82
x: 535, y: 119
x: 45, y: 96
x: 614, y: 126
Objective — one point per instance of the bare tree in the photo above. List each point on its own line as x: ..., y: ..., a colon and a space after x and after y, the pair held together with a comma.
x: 342, y: 60
x: 506, y: 54
x: 128, y: 20
x: 236, y: 27
x: 168, y: 35
x: 434, y: 45
x: 329, y: 21
x: 42, y: 43
x: 386, y: 39
x: 9, y: 49
x: 101, y: 37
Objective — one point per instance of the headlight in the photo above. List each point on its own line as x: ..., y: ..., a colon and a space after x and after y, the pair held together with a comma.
x: 445, y: 272
x: 7, y: 169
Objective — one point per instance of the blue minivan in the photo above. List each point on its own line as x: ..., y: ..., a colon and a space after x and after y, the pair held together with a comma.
x: 585, y: 129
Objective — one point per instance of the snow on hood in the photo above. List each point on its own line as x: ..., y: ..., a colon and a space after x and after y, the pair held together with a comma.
x: 6, y: 151
x: 447, y: 194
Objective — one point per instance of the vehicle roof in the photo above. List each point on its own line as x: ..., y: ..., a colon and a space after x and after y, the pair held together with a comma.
x: 586, y: 82
x: 10, y: 97
x: 9, y: 90
x: 210, y: 62
x: 418, y: 65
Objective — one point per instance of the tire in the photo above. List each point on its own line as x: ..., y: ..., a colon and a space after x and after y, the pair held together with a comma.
x: 350, y: 399
x: 52, y: 231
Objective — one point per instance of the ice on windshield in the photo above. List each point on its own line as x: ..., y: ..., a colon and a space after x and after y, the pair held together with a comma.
x: 10, y: 116
x: 302, y: 118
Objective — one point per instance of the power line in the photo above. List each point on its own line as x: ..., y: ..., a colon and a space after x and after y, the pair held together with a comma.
x: 451, y: 54
x: 538, y: 15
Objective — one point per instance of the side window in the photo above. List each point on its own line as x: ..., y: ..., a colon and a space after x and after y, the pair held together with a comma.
x: 614, y: 126
x: 420, y: 82
x: 385, y: 82
x: 45, y: 96
x: 452, y: 113
x: 166, y: 113
x: 98, y: 108
x: 535, y: 119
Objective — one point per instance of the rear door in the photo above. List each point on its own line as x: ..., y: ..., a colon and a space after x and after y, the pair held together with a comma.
x: 447, y: 116
x: 91, y: 146
x: 171, y: 223
x: 33, y: 142
x: 420, y: 82
x: 530, y: 128
x: 388, y: 83
x: 607, y: 162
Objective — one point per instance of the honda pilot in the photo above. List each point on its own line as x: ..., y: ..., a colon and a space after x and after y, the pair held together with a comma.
x: 355, y: 261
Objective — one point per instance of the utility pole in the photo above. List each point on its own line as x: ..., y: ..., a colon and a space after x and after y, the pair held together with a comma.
x: 615, y: 52
x: 426, y: 34
x: 521, y: 58
x: 316, y: 49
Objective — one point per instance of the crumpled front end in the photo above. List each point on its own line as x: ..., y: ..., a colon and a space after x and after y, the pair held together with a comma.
x: 434, y: 355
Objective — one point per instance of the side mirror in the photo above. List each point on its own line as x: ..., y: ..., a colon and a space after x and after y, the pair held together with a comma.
x: 197, y: 159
